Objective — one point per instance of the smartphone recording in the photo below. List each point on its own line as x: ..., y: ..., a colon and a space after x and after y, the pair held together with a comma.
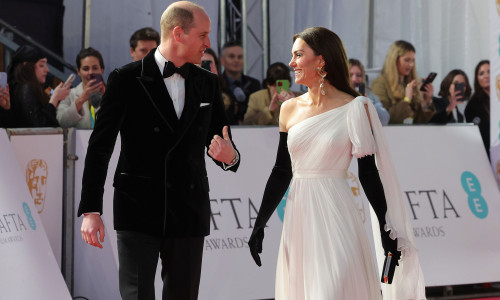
x: 361, y: 88
x: 69, y: 81
x: 97, y: 77
x: 460, y: 87
x: 428, y: 80
x: 282, y: 85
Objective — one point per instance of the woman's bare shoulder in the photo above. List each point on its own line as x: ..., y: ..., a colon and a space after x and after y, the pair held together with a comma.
x: 286, y: 110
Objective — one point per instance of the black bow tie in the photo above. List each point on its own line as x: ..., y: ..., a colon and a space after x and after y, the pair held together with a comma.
x: 170, y: 69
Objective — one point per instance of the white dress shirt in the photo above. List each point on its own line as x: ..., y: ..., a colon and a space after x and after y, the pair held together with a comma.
x: 177, y: 91
x: 175, y: 85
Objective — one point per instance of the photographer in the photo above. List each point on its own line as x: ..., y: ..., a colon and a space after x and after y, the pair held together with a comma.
x: 358, y: 82
x: 264, y: 105
x: 79, y: 108
x: 455, y: 92
x: 31, y: 106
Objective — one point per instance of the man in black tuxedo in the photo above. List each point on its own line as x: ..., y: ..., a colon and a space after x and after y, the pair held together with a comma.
x: 161, y: 201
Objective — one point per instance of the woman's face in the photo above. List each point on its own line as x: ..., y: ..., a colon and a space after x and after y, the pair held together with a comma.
x: 405, y: 63
x: 89, y: 65
x: 213, y: 67
x: 305, y: 63
x: 41, y: 70
x: 483, y: 76
x: 356, y: 76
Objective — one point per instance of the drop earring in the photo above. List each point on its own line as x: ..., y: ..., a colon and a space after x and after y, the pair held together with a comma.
x: 322, y: 73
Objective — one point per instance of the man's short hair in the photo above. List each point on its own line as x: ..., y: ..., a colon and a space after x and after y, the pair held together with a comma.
x: 230, y: 44
x: 179, y: 15
x: 144, y: 34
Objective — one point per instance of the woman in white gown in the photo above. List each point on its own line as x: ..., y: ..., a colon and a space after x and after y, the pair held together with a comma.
x: 324, y: 252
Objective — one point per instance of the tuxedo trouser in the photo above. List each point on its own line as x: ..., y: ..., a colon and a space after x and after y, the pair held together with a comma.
x: 138, y: 259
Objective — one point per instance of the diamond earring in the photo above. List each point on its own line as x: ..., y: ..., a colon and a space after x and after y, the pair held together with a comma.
x: 322, y: 73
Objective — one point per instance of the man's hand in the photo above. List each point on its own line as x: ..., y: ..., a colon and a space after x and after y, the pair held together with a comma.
x: 91, y: 225
x: 221, y: 149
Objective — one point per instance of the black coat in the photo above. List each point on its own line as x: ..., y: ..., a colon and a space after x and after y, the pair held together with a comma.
x: 477, y: 111
x: 28, y: 110
x: 441, y: 116
x: 161, y: 184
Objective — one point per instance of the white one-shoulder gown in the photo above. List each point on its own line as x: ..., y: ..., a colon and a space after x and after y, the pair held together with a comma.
x: 324, y: 252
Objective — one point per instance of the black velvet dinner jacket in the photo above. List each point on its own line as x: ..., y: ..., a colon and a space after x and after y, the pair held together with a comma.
x: 161, y: 184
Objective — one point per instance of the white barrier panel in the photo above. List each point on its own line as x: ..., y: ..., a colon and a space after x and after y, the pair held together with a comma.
x: 445, y: 177
x: 29, y: 269
x: 40, y: 158
x: 452, y: 199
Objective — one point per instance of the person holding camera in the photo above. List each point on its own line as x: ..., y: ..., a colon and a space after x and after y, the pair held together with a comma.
x: 264, y: 105
x: 79, y: 108
x: 358, y: 82
x: 31, y: 105
x: 399, y: 89
x: 454, y: 92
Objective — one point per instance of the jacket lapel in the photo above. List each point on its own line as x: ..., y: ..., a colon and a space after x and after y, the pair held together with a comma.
x: 152, y: 82
x: 192, y: 97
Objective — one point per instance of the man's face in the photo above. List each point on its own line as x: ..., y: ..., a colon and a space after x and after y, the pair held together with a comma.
x: 37, y: 184
x: 196, y: 40
x: 232, y: 59
x: 142, y: 49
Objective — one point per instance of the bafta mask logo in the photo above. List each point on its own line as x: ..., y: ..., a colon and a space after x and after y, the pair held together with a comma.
x: 353, y: 182
x: 36, y: 177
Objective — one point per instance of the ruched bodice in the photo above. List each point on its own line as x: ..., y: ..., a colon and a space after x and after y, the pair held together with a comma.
x: 316, y: 146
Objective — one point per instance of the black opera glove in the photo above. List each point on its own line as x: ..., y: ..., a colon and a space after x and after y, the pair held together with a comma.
x: 370, y: 180
x: 276, y: 187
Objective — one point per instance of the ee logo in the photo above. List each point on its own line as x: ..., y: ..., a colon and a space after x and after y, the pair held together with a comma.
x: 472, y: 187
x: 281, y: 207
x: 27, y: 211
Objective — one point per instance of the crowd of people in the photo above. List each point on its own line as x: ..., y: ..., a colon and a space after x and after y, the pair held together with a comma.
x: 398, y: 94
